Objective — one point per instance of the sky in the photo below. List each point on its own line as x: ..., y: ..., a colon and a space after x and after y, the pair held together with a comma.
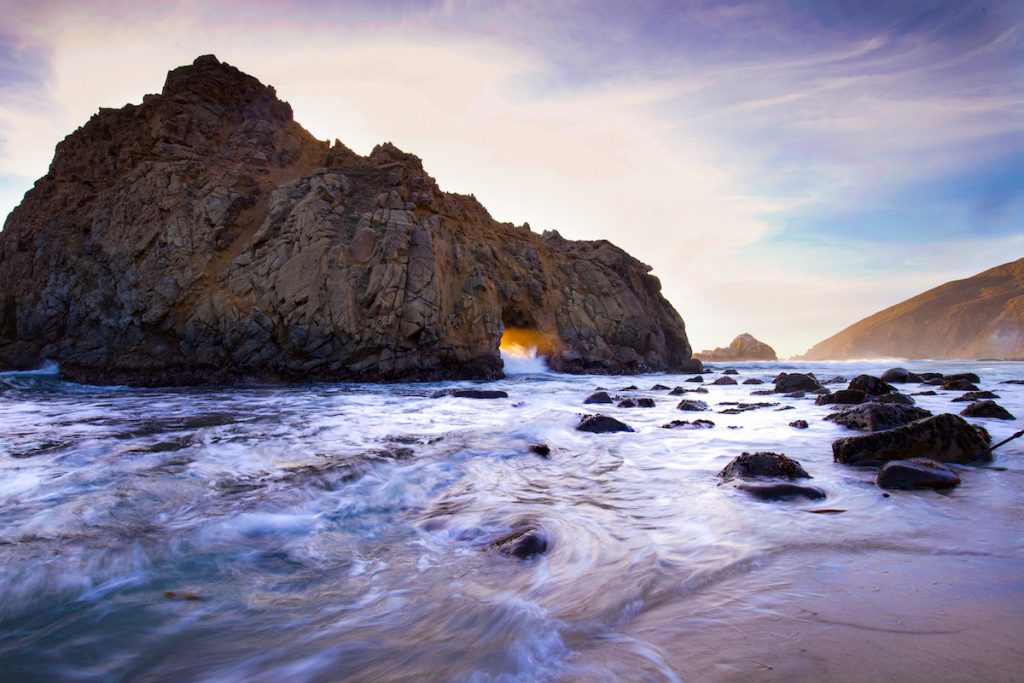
x: 787, y: 168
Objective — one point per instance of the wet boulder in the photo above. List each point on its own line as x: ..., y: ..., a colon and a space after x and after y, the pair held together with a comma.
x: 873, y: 417
x: 966, y: 376
x: 971, y: 396
x: 693, y: 406
x: 918, y: 473
x: 838, y: 379
x: 894, y: 397
x: 470, y: 393
x: 724, y: 380
x: 899, y: 376
x: 945, y: 437
x: 842, y: 397
x: 730, y: 371
x: 958, y: 384
x: 687, y: 424
x: 799, y: 424
x: 987, y: 409
x: 763, y: 464
x: 601, y: 424
x: 523, y: 542
x: 697, y: 379
x: 636, y: 403
x: 541, y: 449
x: 925, y: 393
x: 781, y: 491
x: 753, y: 380
x: 795, y: 381
x: 659, y: 387
x: 598, y: 397
x: 928, y: 376
x: 872, y: 386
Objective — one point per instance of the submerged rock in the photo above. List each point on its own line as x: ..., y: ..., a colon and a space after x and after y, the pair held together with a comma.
x: 763, y: 464
x: 203, y: 236
x: 987, y: 409
x: 686, y: 424
x: 523, y: 543
x: 919, y: 473
x: 947, y: 438
x: 659, y: 387
x: 973, y: 396
x: 470, y: 393
x: 598, y: 397
x: 781, y: 491
x: 873, y: 417
x: 601, y: 424
x: 959, y: 384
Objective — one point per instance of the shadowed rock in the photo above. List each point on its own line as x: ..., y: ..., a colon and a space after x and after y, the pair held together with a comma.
x: 541, y: 449
x: 724, y: 380
x: 959, y: 384
x: 791, y: 382
x: 523, y: 543
x: 686, y: 424
x: 753, y: 380
x: 894, y: 397
x: 598, y: 397
x: 872, y: 386
x: 842, y: 397
x: 799, y: 424
x: 966, y: 376
x: 781, y: 491
x: 730, y: 371
x: 203, y: 236
x: 695, y: 406
x: 925, y: 393
x: 947, y: 438
x: 919, y: 473
x: 899, y: 376
x: 659, y: 387
x: 469, y: 393
x: 987, y: 409
x: 873, y: 417
x: 973, y: 396
x: 636, y: 403
x: 601, y: 424
x: 763, y: 464
x: 696, y: 379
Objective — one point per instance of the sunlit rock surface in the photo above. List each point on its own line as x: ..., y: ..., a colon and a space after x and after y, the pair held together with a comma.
x: 205, y: 236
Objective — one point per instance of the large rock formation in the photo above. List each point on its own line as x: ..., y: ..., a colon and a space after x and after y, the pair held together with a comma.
x: 205, y: 236
x: 979, y: 317
x: 743, y: 347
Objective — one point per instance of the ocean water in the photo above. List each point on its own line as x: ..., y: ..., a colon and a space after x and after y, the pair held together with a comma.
x: 339, y: 532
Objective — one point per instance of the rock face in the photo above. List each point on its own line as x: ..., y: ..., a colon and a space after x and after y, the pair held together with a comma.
x: 743, y: 347
x: 873, y: 417
x: 205, y: 236
x: 979, y: 317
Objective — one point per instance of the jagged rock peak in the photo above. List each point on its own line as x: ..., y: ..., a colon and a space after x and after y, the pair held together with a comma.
x: 743, y: 347
x: 205, y: 236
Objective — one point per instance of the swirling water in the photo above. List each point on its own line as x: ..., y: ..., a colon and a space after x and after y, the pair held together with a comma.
x: 339, y: 532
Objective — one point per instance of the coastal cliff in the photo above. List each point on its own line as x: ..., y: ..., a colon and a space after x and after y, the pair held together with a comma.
x: 205, y: 236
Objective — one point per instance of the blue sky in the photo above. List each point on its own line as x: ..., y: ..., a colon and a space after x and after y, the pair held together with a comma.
x: 786, y: 167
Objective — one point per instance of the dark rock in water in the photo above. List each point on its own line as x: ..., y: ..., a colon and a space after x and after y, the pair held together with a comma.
x: 469, y: 393
x: 872, y: 386
x: 781, y: 491
x: 966, y: 376
x: 1013, y: 381
x: 700, y: 390
x: 690, y: 365
x: 541, y: 449
x: 987, y: 409
x: 789, y: 382
x: 794, y: 394
x: 204, y: 236
x: 927, y: 376
x: 958, y: 385
x: 785, y: 408
x: 686, y: 424
x: 842, y: 397
x: 659, y: 387
x: 744, y: 407
x: 695, y: 406
x: 524, y: 543
x: 631, y: 387
x: 636, y: 403
x: 763, y: 464
x: 753, y: 381
x: 934, y: 382
x: 899, y: 376
x: 945, y: 437
x: 973, y: 396
x: 724, y: 380
x: 601, y: 424
x: 799, y: 424
x: 918, y: 473
x: 598, y: 397
x: 838, y: 379
x: 762, y: 392
x: 873, y: 417
x: 894, y: 397
x: 697, y: 378
x: 925, y: 393
x: 677, y: 391
x: 730, y: 371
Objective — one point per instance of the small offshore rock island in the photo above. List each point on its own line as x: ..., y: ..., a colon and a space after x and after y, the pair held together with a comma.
x: 204, y: 236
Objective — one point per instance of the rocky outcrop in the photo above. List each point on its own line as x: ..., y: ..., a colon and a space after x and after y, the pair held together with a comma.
x: 205, y: 236
x: 978, y: 317
x: 743, y: 347
x: 946, y: 438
